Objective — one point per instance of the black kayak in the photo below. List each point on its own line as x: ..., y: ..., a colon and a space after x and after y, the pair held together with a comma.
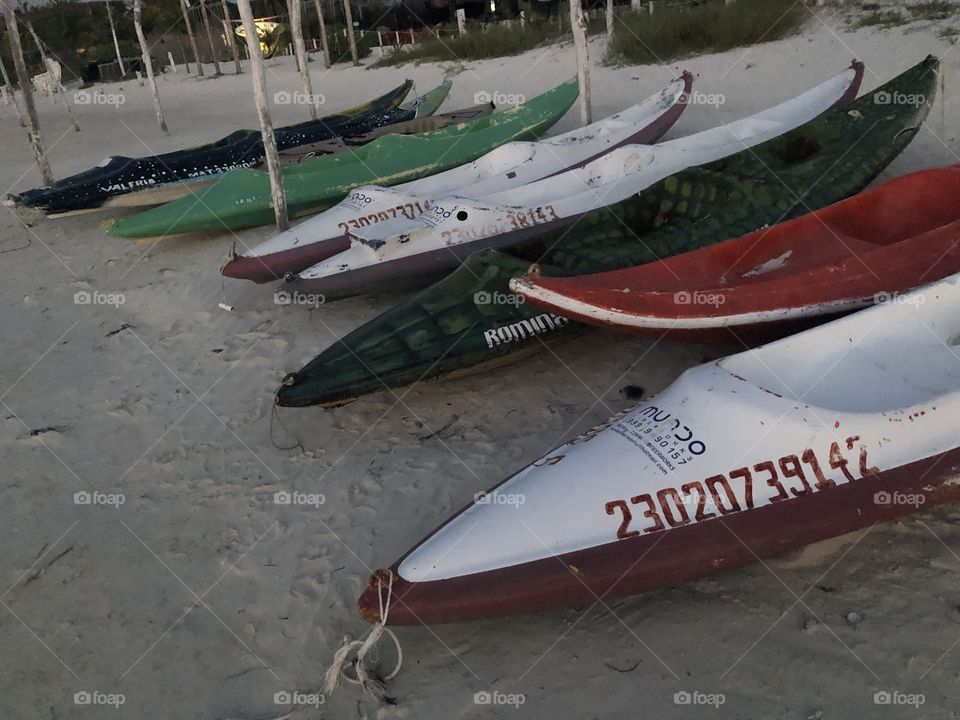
x: 119, y: 175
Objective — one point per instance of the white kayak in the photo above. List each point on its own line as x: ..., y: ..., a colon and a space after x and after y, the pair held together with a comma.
x: 810, y: 437
x: 510, y: 165
x: 406, y: 250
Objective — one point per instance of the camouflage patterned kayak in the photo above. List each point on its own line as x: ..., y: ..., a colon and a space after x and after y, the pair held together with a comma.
x: 457, y: 324
x: 242, y: 198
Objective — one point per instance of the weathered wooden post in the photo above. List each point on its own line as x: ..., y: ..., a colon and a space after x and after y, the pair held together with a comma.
x: 296, y: 33
x: 323, y: 34
x: 578, y: 25
x: 348, y: 18
x: 113, y: 31
x: 461, y: 21
x: 193, y: 41
x: 147, y: 63
x: 609, y: 20
x: 23, y: 77
x: 231, y: 40
x: 213, y: 48
x: 266, y: 125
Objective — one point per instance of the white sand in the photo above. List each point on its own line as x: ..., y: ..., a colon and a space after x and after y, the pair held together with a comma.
x: 200, y: 598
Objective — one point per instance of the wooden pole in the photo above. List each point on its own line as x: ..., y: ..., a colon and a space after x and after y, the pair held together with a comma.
x: 13, y: 93
x: 58, y: 88
x: 231, y: 39
x: 266, y: 125
x: 116, y: 43
x: 193, y: 41
x: 147, y: 62
x: 578, y: 25
x: 323, y: 35
x: 609, y: 20
x: 348, y: 18
x: 296, y: 30
x: 23, y: 77
x: 213, y: 48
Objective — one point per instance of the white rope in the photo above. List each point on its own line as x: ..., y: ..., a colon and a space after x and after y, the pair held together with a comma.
x: 370, y: 683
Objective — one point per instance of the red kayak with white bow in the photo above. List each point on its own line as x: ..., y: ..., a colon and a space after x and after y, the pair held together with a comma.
x: 810, y: 437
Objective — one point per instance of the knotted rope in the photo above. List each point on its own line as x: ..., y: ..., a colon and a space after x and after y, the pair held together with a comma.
x: 371, y: 684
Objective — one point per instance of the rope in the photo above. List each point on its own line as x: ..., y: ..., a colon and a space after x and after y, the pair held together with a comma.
x: 371, y: 684
x: 275, y: 417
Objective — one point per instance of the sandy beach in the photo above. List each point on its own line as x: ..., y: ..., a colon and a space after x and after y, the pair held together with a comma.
x: 145, y: 557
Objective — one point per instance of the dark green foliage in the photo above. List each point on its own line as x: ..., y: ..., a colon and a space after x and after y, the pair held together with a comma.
x: 681, y: 30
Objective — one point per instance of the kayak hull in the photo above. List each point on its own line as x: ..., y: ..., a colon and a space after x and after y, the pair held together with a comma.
x: 803, y: 439
x: 269, y: 266
x: 184, y: 169
x: 406, y: 272
x: 651, y: 562
x: 871, y: 247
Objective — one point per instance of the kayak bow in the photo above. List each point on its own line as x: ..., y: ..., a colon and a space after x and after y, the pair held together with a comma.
x: 740, y: 459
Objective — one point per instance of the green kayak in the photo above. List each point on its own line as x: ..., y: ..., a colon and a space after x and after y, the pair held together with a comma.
x: 241, y: 198
x: 449, y: 328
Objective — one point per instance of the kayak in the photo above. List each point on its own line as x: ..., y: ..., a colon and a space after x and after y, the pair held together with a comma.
x: 471, y: 320
x: 807, y: 438
x: 354, y: 134
x: 241, y: 198
x: 120, y: 175
x: 508, y: 166
x: 869, y: 248
x: 410, y: 251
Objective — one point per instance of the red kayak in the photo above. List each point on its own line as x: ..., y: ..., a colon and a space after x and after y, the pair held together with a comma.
x: 866, y: 249
x: 810, y: 437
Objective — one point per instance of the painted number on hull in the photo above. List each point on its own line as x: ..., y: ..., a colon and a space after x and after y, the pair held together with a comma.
x: 409, y: 210
x: 773, y: 481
